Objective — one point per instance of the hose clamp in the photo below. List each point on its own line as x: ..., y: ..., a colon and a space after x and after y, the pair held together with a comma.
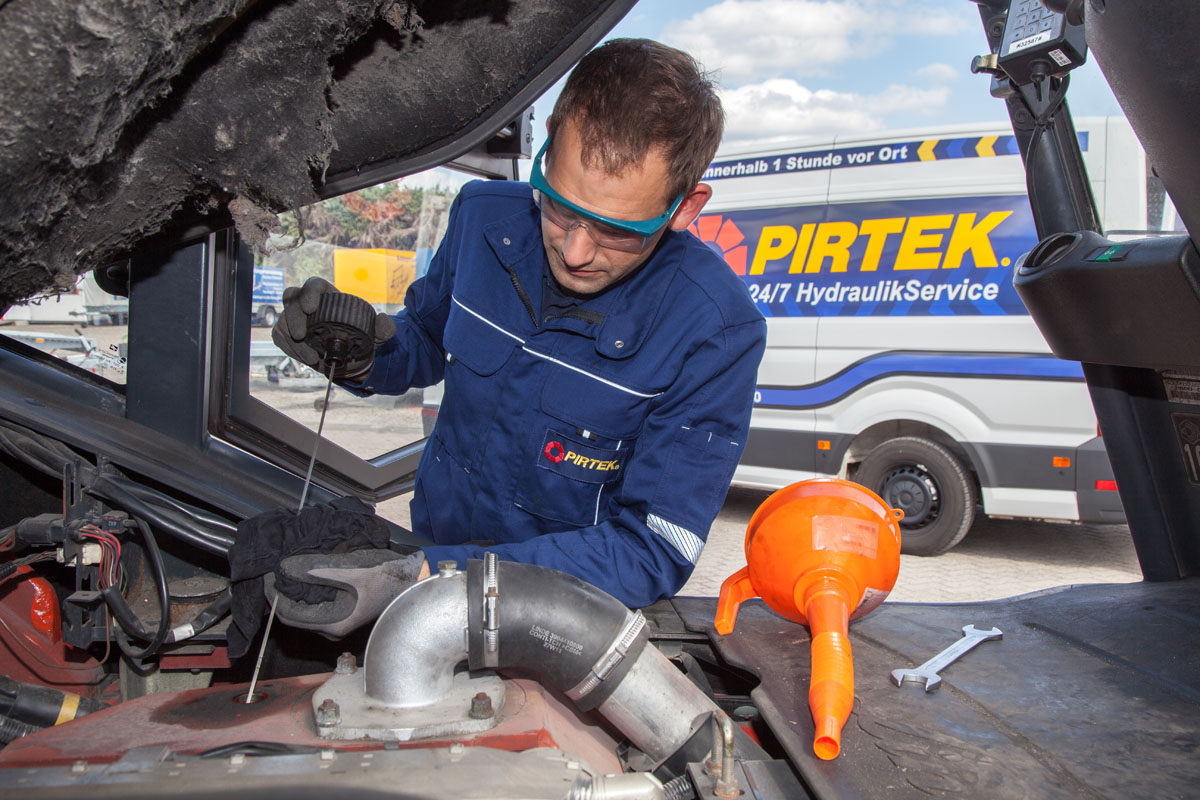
x: 612, y: 656
x: 491, y: 614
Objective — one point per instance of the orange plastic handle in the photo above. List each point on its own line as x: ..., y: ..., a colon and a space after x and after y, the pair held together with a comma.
x: 735, y: 590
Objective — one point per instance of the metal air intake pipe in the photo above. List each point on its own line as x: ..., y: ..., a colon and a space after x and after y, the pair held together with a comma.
x: 570, y: 635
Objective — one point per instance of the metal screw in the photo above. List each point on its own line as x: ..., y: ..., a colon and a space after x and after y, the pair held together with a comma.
x: 328, y: 713
x: 347, y: 664
x: 481, y: 706
x: 447, y: 569
x: 712, y: 764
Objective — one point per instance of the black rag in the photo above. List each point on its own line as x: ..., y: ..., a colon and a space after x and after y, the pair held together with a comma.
x: 342, y: 526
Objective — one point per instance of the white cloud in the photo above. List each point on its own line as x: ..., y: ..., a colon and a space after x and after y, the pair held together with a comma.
x: 938, y: 73
x: 782, y: 108
x: 753, y: 39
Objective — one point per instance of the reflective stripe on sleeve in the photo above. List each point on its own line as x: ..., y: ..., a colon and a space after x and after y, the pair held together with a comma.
x: 687, y: 543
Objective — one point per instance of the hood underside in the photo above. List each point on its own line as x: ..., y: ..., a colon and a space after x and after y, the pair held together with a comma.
x: 135, y: 122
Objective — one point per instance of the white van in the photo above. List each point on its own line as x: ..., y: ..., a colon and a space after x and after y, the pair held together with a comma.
x: 898, y: 353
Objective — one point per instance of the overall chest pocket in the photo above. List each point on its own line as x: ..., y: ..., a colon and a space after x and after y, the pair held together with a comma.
x: 604, y: 408
x: 580, y: 450
x: 476, y: 352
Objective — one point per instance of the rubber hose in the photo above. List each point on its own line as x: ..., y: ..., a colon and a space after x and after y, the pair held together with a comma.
x: 42, y: 706
x: 551, y: 624
x: 11, y: 729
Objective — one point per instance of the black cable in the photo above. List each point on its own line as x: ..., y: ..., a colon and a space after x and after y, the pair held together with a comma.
x: 196, y: 514
x: 108, y: 488
x: 164, y: 596
x: 209, y: 616
x: 50, y: 456
x: 253, y: 748
x: 127, y: 621
x: 1041, y: 121
x: 132, y: 626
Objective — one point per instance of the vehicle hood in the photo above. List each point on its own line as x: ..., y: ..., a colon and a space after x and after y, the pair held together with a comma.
x: 132, y: 122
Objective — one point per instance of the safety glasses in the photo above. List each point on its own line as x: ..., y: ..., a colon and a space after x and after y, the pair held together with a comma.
x: 631, y: 236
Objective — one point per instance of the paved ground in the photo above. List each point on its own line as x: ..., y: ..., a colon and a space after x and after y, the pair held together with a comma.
x: 998, y: 558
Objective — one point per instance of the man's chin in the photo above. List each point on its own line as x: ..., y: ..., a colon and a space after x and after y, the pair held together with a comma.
x: 582, y: 281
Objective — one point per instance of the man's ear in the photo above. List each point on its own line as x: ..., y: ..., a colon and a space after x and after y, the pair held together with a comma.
x: 693, y: 203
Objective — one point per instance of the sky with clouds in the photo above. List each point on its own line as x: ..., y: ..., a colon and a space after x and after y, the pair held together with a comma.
x: 810, y: 68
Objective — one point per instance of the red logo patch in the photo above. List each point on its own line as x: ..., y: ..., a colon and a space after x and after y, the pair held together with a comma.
x: 723, y: 236
x: 555, y: 452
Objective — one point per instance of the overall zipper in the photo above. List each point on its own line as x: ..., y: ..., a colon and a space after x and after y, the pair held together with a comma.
x: 516, y: 282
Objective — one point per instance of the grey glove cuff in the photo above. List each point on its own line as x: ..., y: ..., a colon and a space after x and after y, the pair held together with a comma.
x: 365, y: 583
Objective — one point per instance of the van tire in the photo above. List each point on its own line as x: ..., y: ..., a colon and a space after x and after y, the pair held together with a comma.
x: 929, y: 484
x: 267, y: 316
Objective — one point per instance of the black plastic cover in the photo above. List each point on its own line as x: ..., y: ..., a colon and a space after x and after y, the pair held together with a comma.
x: 1094, y: 691
x: 1133, y: 304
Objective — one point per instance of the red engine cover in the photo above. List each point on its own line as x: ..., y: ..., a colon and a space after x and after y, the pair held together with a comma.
x: 202, y: 719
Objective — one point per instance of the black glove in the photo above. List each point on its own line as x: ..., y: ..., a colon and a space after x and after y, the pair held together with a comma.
x: 299, y: 303
x: 335, y: 593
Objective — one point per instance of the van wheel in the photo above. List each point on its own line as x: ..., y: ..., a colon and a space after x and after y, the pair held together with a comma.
x: 268, y: 316
x: 928, y: 483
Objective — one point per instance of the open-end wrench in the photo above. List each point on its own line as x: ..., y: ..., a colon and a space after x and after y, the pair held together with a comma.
x: 927, y: 673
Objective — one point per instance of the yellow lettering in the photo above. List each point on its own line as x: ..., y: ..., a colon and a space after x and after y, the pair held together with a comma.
x: 877, y: 231
x: 806, y: 237
x: 916, y: 238
x: 969, y: 237
x: 775, y: 241
x: 832, y: 241
x: 572, y: 457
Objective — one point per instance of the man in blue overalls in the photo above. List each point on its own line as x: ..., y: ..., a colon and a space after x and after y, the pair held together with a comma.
x: 599, y: 360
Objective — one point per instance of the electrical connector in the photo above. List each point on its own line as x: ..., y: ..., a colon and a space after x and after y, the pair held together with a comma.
x: 84, y: 555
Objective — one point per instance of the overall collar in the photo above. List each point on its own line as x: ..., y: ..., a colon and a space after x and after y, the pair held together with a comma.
x: 629, y: 308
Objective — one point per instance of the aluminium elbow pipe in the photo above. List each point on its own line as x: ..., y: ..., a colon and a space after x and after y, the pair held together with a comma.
x: 416, y: 644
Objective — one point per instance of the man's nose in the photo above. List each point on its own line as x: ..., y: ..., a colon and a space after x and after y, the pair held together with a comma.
x: 579, y: 248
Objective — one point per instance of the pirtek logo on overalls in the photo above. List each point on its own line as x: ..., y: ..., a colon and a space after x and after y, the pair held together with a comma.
x: 556, y: 452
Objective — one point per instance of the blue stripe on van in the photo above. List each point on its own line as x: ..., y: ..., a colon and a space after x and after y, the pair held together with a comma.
x: 1021, y: 366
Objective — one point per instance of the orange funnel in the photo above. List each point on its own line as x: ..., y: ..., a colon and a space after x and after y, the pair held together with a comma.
x: 821, y: 553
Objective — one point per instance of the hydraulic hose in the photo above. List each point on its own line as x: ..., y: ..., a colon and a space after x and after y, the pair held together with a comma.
x: 40, y: 706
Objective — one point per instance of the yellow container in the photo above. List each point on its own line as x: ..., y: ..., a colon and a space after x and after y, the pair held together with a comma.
x: 379, y: 276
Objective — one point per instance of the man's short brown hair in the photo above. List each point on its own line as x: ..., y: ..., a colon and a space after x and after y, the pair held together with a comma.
x: 629, y: 96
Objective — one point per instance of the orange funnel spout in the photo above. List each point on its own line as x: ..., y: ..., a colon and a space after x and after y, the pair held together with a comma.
x: 821, y: 553
x: 831, y: 687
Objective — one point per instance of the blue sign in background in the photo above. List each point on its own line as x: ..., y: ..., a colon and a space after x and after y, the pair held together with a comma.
x: 779, y: 292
